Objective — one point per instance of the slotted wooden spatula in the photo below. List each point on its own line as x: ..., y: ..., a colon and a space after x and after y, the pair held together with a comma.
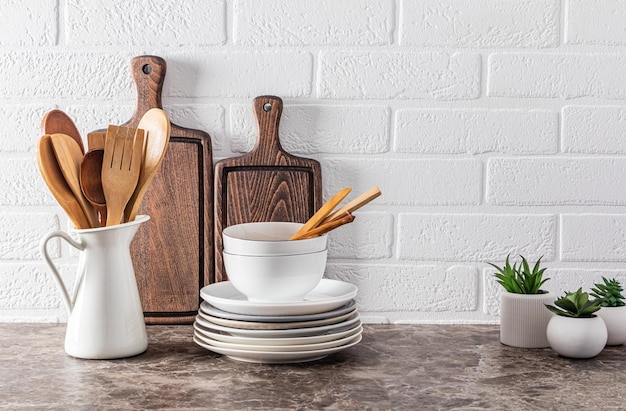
x: 267, y: 184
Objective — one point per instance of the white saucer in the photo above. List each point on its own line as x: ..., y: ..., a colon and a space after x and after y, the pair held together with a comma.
x: 313, y: 339
x: 328, y: 295
x: 277, y: 348
x: 255, y: 325
x: 294, y: 332
x: 265, y: 357
x: 216, y: 312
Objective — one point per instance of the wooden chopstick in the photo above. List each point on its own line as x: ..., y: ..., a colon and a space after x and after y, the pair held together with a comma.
x: 326, y: 227
x: 322, y: 213
x: 355, y: 204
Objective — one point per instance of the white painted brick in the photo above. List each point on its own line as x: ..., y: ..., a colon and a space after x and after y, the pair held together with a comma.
x: 561, y: 280
x: 20, y: 127
x: 557, y: 75
x: 594, y: 129
x: 398, y: 75
x: 475, y: 237
x: 555, y: 181
x: 306, y: 129
x: 480, y: 23
x: 239, y: 74
x: 20, y: 234
x: 32, y: 286
x: 476, y: 131
x: 21, y: 184
x: 58, y: 75
x: 145, y: 22
x: 369, y: 236
x: 324, y: 22
x: 593, y: 237
x: 408, y: 182
x: 411, y: 288
x: 595, y: 22
x: 28, y: 23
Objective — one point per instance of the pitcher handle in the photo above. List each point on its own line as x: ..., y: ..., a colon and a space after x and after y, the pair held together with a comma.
x: 69, y: 303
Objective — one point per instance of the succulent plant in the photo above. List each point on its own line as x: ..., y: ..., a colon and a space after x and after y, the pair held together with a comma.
x: 575, y: 304
x: 609, y: 293
x: 519, y: 278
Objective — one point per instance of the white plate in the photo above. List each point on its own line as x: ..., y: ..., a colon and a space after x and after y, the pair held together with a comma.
x: 328, y: 295
x: 295, y: 332
x: 255, y: 325
x: 313, y: 339
x: 276, y: 348
x: 216, y: 312
x: 265, y: 357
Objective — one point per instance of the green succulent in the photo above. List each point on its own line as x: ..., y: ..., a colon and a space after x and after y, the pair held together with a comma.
x: 519, y: 278
x: 609, y: 293
x: 575, y: 305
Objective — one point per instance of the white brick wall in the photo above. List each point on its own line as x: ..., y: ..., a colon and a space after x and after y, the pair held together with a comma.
x: 491, y: 126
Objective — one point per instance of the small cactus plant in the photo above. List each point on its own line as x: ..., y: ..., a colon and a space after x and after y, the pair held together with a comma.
x: 576, y: 305
x: 520, y: 279
x: 609, y: 293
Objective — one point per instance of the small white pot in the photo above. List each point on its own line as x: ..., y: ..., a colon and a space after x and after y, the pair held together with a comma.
x: 577, y: 337
x: 615, y: 320
x: 524, y: 318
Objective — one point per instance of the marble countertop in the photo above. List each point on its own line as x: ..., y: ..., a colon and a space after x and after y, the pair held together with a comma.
x: 395, y: 367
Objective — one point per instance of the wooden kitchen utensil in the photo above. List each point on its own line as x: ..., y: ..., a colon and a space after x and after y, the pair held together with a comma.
x: 173, y: 254
x: 96, y: 140
x: 120, y: 169
x: 91, y: 182
x: 267, y: 184
x: 69, y: 157
x: 54, y: 179
x: 326, y: 227
x: 56, y: 121
x: 355, y: 204
x: 321, y: 214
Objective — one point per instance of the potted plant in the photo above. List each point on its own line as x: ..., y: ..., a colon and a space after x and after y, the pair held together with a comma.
x: 523, y: 317
x: 613, y: 309
x: 576, y: 331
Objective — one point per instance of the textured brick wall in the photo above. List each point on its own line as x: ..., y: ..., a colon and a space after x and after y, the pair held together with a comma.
x: 491, y: 126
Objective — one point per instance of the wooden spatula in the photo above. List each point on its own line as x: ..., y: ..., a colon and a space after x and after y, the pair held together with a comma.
x: 120, y: 169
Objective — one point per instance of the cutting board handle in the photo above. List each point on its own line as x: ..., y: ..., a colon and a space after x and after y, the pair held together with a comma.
x: 267, y: 110
x: 149, y: 75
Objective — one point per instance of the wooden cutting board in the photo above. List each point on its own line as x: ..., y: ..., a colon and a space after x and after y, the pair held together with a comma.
x: 173, y: 252
x: 267, y: 184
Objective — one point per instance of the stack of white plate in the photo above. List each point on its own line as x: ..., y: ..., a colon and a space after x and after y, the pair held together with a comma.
x: 325, y: 322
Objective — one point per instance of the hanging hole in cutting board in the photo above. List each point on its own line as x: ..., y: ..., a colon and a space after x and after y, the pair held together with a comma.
x: 267, y: 106
x: 147, y: 69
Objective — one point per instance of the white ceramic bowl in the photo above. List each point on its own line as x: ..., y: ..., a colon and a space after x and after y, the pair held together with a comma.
x: 269, y: 238
x: 276, y: 278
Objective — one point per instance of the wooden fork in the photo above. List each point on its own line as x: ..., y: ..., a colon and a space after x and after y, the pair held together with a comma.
x: 123, y: 152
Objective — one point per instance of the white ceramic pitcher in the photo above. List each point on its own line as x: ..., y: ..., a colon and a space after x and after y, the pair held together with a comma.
x: 105, y: 315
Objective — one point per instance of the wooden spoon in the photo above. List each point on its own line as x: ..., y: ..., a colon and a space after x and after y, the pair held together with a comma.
x: 56, y: 121
x: 52, y: 175
x: 157, y: 127
x: 69, y: 157
x: 91, y: 182
x: 321, y: 214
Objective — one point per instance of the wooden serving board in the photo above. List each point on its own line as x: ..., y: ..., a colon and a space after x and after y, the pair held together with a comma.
x: 267, y: 184
x: 173, y: 252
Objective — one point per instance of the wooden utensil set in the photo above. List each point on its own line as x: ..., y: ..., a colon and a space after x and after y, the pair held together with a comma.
x: 104, y: 186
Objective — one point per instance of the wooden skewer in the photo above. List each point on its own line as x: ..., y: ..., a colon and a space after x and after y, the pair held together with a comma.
x: 321, y: 214
x: 326, y: 227
x: 355, y: 204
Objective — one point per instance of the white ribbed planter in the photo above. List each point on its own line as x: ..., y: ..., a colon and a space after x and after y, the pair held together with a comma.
x: 524, y: 318
x: 577, y: 337
x: 615, y: 320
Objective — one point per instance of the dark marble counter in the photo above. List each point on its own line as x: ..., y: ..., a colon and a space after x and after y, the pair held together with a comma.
x: 395, y: 367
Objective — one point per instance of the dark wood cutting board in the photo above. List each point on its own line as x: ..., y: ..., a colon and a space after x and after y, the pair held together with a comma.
x: 267, y: 184
x: 173, y: 252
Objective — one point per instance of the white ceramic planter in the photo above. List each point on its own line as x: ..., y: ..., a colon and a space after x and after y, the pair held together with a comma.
x: 524, y: 318
x: 577, y: 337
x: 615, y: 320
